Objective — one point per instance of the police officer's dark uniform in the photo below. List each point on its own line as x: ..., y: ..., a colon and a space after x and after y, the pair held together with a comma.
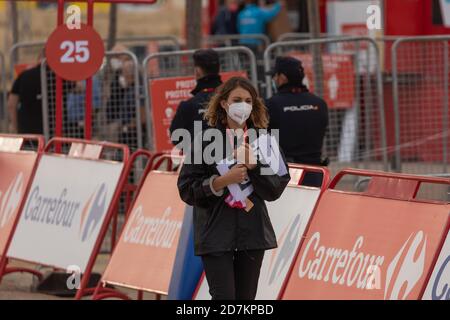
x: 193, y: 109
x: 300, y: 116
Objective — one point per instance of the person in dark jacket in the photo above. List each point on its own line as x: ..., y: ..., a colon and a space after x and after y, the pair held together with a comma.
x: 300, y: 116
x: 232, y: 236
x: 225, y: 21
x: 207, y: 68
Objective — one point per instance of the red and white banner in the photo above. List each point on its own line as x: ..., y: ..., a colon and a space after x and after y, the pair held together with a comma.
x: 145, y: 254
x: 350, y: 17
x: 15, y: 172
x: 64, y: 211
x: 166, y: 95
x: 289, y: 215
x: 338, y: 78
x: 362, y: 247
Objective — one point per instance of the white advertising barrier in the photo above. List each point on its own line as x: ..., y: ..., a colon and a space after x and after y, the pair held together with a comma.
x: 289, y: 215
x: 64, y: 211
x: 438, y: 287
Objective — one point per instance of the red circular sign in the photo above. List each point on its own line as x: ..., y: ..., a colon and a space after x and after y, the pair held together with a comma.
x: 75, y: 54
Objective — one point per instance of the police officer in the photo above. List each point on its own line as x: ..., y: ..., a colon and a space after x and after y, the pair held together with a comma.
x: 207, y: 68
x: 300, y: 116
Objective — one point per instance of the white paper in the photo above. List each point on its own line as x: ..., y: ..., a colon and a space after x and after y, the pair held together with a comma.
x: 241, y: 191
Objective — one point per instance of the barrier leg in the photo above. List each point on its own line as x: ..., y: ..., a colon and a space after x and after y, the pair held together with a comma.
x: 112, y: 294
x: 140, y: 295
x: 82, y: 291
x: 3, y: 263
x: 4, y: 270
x: 97, y: 290
x: 102, y: 293
x: 38, y: 274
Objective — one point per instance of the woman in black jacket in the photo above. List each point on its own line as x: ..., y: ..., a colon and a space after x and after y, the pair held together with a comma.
x: 231, y: 235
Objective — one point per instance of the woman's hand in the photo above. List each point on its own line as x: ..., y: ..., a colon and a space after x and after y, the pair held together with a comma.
x: 237, y: 174
x: 244, y: 155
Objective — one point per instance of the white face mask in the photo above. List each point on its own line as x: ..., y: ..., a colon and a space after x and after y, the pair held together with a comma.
x: 116, y: 64
x: 239, y: 111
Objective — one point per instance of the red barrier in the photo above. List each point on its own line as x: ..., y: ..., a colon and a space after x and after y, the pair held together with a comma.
x: 298, y: 172
x: 144, y: 256
x: 154, y: 162
x: 129, y: 188
x: 17, y: 168
x: 89, y: 210
x: 378, y: 244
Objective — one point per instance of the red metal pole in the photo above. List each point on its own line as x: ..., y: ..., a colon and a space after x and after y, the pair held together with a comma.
x: 88, y: 101
x: 59, y: 83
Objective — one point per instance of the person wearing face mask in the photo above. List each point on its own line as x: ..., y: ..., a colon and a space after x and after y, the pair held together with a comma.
x: 232, y: 235
x: 300, y: 116
x: 206, y: 69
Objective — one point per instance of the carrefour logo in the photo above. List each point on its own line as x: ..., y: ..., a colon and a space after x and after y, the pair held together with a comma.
x: 441, y: 289
x: 287, y: 244
x: 159, y: 232
x: 93, y: 212
x: 406, y: 268
x: 354, y: 267
x: 338, y: 266
x: 60, y: 211
x: 10, y: 199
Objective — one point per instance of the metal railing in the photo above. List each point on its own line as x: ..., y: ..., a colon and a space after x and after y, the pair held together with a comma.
x: 116, y: 106
x: 350, y: 69
x: 420, y: 85
x: 180, y: 64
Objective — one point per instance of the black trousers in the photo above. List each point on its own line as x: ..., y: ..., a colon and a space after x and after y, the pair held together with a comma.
x: 233, y: 275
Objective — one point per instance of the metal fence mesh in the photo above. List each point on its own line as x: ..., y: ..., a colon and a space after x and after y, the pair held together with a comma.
x: 180, y: 64
x: 348, y: 78
x: 3, y: 95
x: 420, y: 75
x: 415, y: 89
x: 258, y: 43
x: 142, y: 46
x: 292, y: 36
x: 116, y: 103
x: 23, y: 55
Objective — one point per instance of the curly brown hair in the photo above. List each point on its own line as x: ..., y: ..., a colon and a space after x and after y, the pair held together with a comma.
x: 215, y: 114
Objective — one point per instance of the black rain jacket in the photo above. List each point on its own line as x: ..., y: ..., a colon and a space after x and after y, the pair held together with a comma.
x: 220, y: 228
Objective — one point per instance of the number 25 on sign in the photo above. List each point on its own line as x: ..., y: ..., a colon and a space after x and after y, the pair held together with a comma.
x: 74, y: 51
